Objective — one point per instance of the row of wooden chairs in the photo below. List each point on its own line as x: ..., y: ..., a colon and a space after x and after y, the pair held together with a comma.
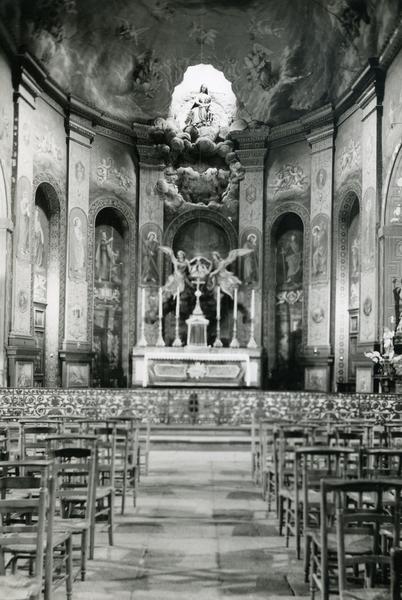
x: 78, y: 464
x: 299, y: 465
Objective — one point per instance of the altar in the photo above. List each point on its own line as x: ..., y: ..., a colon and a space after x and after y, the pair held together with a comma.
x: 201, y: 367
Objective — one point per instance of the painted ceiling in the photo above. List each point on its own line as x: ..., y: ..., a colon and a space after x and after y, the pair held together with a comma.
x: 283, y: 57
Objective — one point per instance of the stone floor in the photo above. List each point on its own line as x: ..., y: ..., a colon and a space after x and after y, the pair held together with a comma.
x: 200, y: 531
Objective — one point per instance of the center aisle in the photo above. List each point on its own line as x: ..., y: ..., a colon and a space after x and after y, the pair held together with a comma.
x: 200, y: 531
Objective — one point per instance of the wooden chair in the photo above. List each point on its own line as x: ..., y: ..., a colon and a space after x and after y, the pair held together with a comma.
x: 58, y: 542
x: 367, y: 522
x: 350, y: 536
x: 288, y: 440
x: 75, y: 491
x: 303, y: 510
x: 30, y: 531
x: 33, y: 439
x: 76, y: 496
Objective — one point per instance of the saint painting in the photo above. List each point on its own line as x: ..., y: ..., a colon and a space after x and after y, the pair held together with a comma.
x: 77, y: 244
x: 150, y: 258
x: 250, y: 270
x: 24, y: 217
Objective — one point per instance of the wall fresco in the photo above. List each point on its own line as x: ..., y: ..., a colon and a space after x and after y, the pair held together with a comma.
x: 112, y: 169
x: 289, y: 173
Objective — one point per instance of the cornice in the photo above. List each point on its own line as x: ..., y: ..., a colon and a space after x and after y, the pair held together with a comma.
x: 319, y: 117
x: 392, y: 46
x: 81, y: 127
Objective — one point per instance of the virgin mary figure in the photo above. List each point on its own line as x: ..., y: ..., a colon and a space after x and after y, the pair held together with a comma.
x: 200, y: 113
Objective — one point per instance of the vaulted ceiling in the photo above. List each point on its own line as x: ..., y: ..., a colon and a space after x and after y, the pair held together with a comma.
x: 283, y: 57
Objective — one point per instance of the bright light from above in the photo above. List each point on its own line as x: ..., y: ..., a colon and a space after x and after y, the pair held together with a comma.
x: 219, y: 88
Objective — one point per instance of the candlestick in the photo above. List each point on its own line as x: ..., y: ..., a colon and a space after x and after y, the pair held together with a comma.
x: 235, y: 304
x: 178, y: 303
x: 160, y: 304
x: 160, y: 341
x: 143, y: 341
x: 235, y: 342
x: 217, y: 342
x: 252, y: 343
x: 177, y: 340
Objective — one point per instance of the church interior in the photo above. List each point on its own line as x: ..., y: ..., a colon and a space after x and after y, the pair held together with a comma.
x: 201, y: 296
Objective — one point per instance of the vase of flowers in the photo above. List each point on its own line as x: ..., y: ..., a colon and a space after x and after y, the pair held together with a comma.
x: 388, y: 364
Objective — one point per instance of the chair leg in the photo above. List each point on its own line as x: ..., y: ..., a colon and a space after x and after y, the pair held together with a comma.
x: 281, y: 514
x: 48, y: 573
x: 306, y: 558
x: 84, y: 551
x: 123, y: 492
x: 92, y: 536
x: 288, y: 517
x: 69, y: 567
x: 111, y: 517
x: 298, y: 531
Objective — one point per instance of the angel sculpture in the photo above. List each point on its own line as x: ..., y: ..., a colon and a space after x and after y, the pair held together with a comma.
x: 177, y: 280
x: 221, y: 276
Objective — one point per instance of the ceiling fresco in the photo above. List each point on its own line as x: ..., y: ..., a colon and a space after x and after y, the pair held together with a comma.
x: 283, y: 57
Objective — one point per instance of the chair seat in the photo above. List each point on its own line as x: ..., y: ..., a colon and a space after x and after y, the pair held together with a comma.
x: 289, y: 492
x: 16, y: 587
x: 71, y: 525
x: 80, y: 494
x: 367, y: 594
x: 354, y: 543
x: 59, y: 537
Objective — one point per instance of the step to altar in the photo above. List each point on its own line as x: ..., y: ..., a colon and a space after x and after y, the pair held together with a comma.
x: 200, y: 437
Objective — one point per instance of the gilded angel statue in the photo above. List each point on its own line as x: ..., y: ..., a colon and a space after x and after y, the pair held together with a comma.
x: 220, y: 274
x: 177, y: 280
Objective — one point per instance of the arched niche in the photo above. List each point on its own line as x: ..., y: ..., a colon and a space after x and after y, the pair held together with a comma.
x: 48, y: 260
x: 392, y: 246
x: 111, y: 298
x: 202, y: 217
x: 347, y: 285
x: 275, y: 219
x: 288, y: 266
x: 199, y: 233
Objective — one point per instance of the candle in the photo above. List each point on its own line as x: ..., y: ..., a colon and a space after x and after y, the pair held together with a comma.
x: 252, y: 309
x: 178, y: 303
x: 218, y: 302
x: 160, y: 304
x: 235, y: 304
x: 143, y: 303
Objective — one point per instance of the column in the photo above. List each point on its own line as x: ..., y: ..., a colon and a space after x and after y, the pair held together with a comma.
x: 150, y: 221
x: 6, y: 228
x: 318, y: 355
x: 251, y: 153
x: 21, y: 348
x: 76, y: 353
x: 371, y: 113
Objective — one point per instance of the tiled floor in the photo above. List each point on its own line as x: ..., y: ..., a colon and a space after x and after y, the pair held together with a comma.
x: 200, y: 531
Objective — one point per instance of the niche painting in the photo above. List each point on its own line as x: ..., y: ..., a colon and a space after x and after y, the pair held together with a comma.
x: 41, y: 250
x: 108, y: 302
x: 289, y: 306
